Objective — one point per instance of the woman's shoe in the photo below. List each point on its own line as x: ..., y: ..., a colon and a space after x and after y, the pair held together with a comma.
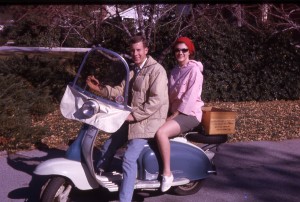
x: 166, y: 182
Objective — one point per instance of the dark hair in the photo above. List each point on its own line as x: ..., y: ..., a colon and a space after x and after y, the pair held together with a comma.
x: 139, y: 38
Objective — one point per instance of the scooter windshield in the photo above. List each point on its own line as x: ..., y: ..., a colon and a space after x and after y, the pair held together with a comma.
x: 99, y: 93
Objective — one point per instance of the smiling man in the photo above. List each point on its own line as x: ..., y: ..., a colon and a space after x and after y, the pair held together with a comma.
x: 148, y: 98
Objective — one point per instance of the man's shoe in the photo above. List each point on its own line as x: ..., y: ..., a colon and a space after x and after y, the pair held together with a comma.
x: 166, y: 183
x: 99, y: 171
x: 102, y: 178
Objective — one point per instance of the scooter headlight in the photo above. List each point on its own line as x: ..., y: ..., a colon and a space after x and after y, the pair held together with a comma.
x: 90, y: 108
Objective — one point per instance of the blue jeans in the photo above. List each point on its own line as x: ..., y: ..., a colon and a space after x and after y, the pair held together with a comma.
x: 111, y: 145
x: 129, y: 165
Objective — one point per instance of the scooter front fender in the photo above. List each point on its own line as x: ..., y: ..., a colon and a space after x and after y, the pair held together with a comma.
x: 74, y: 170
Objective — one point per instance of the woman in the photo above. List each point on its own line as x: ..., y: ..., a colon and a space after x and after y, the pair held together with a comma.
x: 185, y: 87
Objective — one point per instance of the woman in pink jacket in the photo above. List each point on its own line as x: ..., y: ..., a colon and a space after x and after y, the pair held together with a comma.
x: 185, y: 87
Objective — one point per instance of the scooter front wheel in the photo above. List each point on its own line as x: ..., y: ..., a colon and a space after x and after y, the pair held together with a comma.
x: 57, y: 189
x: 188, y: 189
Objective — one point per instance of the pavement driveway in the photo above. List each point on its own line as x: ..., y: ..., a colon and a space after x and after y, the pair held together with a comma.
x: 247, y: 171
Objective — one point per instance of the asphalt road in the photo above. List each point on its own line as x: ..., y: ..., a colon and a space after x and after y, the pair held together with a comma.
x: 247, y: 171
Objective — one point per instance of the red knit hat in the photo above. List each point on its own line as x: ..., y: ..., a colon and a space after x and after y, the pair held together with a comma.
x: 188, y: 42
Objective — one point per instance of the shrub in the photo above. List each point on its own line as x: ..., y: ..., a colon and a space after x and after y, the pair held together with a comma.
x: 31, y: 87
x: 240, y: 65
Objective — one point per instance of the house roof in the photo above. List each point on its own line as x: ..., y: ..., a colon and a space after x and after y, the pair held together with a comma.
x: 129, y: 13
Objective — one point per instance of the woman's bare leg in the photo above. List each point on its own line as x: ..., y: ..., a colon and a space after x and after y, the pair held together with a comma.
x: 169, y: 129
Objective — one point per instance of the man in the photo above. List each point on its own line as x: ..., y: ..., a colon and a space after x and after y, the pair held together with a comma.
x: 149, y: 102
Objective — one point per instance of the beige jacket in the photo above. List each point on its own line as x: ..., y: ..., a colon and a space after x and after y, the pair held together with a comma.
x: 150, y: 101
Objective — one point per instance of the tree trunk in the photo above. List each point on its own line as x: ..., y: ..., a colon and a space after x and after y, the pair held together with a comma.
x: 264, y: 12
x: 238, y: 14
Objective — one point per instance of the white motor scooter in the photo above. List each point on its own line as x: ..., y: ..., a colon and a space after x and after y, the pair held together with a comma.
x: 190, y: 164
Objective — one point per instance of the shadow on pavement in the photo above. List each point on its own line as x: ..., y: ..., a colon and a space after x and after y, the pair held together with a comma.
x: 252, y: 171
x: 261, y: 172
x: 27, y: 165
x: 31, y: 193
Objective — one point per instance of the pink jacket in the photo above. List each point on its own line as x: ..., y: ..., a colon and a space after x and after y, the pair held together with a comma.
x: 185, y: 88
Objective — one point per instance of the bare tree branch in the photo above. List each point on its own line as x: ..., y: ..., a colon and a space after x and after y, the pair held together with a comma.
x: 125, y: 28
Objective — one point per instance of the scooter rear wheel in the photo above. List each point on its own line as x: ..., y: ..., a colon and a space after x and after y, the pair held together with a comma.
x: 57, y: 189
x: 188, y: 189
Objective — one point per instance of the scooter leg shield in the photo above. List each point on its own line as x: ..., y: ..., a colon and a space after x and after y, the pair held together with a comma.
x: 73, y: 170
x: 148, y: 163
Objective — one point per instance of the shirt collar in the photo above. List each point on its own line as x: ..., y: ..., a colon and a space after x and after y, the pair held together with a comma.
x: 143, y: 64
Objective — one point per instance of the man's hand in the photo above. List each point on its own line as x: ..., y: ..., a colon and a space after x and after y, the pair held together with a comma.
x: 130, y: 118
x: 93, y: 83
